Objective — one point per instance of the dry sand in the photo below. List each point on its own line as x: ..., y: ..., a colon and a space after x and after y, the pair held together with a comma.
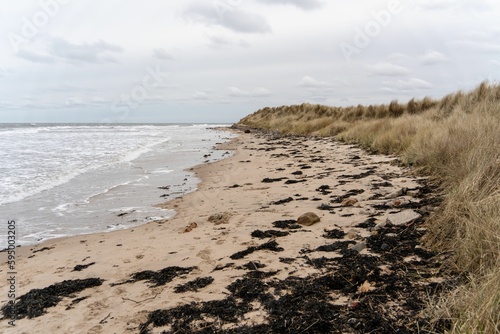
x: 234, y: 188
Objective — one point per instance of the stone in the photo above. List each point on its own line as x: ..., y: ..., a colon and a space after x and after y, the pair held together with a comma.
x: 413, y: 193
x: 359, y: 246
x: 219, y: 218
x: 352, y: 234
x: 403, y: 217
x: 308, y: 219
x: 349, y: 202
x: 398, y: 193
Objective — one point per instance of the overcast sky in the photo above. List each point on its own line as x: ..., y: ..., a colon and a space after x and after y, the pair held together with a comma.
x: 219, y: 60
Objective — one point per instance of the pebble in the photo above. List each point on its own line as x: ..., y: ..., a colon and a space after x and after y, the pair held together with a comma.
x: 359, y: 246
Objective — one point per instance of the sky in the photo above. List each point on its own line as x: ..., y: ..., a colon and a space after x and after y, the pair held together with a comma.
x: 216, y: 61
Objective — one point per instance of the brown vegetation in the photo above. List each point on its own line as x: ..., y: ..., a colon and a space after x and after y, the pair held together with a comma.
x: 456, y: 140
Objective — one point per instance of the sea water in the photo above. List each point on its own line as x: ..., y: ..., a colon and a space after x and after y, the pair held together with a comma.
x: 67, y: 179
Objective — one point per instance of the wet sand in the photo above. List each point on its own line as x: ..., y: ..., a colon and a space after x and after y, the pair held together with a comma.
x: 234, y: 259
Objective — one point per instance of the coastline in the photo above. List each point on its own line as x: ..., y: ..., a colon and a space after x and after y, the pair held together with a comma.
x: 232, y: 190
x: 86, y: 190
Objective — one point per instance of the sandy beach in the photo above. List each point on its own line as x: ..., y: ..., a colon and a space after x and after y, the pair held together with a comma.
x: 234, y: 259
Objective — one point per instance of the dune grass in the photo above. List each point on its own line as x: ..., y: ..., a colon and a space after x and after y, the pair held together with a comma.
x: 456, y: 141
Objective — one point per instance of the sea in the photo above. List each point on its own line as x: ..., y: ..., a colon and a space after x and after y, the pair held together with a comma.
x: 60, y: 180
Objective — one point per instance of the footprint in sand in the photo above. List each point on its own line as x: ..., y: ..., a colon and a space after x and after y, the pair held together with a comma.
x: 205, y: 255
x: 95, y: 330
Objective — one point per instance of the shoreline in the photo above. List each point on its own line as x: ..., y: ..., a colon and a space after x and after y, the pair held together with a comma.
x: 219, y: 220
x: 114, y: 206
x: 106, y: 196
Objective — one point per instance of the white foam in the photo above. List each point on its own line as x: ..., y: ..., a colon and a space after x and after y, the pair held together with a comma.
x: 161, y: 171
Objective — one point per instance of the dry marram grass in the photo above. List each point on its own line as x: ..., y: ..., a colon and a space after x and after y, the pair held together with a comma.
x: 457, y: 141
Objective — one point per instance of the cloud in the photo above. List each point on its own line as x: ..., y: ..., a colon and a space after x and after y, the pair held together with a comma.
x: 201, y: 95
x: 302, y: 4
x: 58, y: 49
x: 432, y: 57
x: 310, y: 82
x: 36, y: 56
x: 256, y: 92
x: 388, y: 69
x: 97, y: 52
x: 74, y: 102
x: 65, y: 87
x: 406, y: 85
x: 162, y: 54
x: 231, y: 18
x: 221, y: 42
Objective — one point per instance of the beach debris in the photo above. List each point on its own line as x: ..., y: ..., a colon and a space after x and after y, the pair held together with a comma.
x: 157, y: 278
x: 403, y: 217
x: 252, y: 265
x: 220, y: 218
x: 194, y: 285
x: 326, y: 207
x: 365, y: 287
x: 350, y: 193
x: 80, y: 267
x: 287, y: 224
x: 43, y: 249
x: 181, y: 317
x: 336, y: 233
x: 76, y: 301
x: 268, y: 234
x: 189, y: 228
x: 308, y: 219
x: 324, y: 189
x: 282, y: 201
x: 377, y: 185
x: 358, y: 176
x: 336, y: 246
x: 270, y: 180
x: 271, y: 245
x: 223, y: 266
x: 34, y: 303
x: 294, y: 181
x: 349, y: 201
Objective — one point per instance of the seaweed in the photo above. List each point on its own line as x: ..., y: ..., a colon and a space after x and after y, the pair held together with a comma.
x: 80, y: 267
x: 268, y: 234
x: 158, y: 278
x: 282, y: 201
x: 334, y: 234
x: 34, y: 303
x: 287, y: 224
x: 271, y: 245
x: 194, y: 285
